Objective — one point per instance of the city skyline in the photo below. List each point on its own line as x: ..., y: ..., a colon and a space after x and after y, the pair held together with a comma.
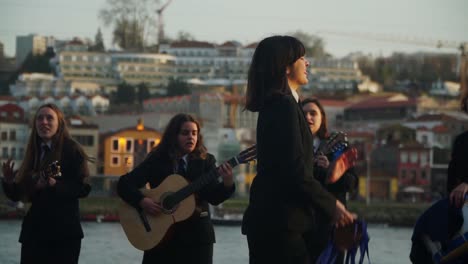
x: 249, y: 21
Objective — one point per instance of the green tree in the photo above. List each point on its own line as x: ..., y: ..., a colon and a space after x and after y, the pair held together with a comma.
x: 177, y: 87
x: 36, y: 63
x: 133, y: 21
x: 125, y: 94
x: 142, y: 92
x: 98, y: 42
x: 314, y: 45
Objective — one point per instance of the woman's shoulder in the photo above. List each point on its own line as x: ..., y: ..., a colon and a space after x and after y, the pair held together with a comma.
x: 461, y: 138
x: 281, y: 101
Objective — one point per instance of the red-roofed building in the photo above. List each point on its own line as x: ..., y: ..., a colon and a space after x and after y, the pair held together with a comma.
x: 11, y: 112
x: 375, y: 111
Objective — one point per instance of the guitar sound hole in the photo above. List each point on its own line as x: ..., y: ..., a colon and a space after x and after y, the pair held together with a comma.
x: 169, y: 203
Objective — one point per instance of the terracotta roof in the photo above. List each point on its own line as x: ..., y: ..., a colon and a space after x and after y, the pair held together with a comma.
x: 434, y: 117
x: 252, y: 45
x: 229, y: 44
x: 335, y: 103
x: 11, y: 108
x: 7, y: 98
x: 360, y: 134
x: 382, y: 102
x: 440, y: 129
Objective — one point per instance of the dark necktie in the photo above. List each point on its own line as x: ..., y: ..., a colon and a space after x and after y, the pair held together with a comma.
x: 181, y: 167
x: 45, y: 151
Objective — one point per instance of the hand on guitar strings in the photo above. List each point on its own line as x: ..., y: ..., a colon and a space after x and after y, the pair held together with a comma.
x: 225, y: 170
x: 8, y: 173
x: 150, y: 207
x: 322, y: 161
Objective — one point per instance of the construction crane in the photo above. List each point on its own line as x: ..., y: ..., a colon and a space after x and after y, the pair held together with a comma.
x: 160, y: 11
x: 462, y: 47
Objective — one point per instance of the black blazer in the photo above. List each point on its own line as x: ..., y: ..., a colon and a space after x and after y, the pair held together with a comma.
x: 285, y: 194
x: 54, y: 213
x: 458, y: 166
x: 198, y: 229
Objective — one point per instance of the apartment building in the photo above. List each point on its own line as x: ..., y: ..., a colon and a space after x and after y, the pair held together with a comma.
x: 14, y: 132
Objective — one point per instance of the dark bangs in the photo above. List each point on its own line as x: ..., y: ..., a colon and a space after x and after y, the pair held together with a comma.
x: 296, y: 49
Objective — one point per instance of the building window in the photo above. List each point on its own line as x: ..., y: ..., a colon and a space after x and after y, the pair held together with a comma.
x: 115, y: 161
x: 129, y: 145
x: 13, y: 153
x: 21, y: 153
x: 423, y: 174
x: 84, y: 140
x: 152, y: 143
x: 12, y: 135
x: 404, y: 157
x: 414, y: 157
x: 4, y: 153
x: 403, y: 174
x: 128, y: 161
x: 115, y: 145
x: 4, y: 135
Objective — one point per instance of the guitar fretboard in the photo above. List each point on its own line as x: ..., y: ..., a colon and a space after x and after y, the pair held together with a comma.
x: 198, y: 184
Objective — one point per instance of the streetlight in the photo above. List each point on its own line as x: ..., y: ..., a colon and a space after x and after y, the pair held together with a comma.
x: 368, y: 159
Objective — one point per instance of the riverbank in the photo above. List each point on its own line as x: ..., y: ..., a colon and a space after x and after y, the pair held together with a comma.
x: 106, y: 209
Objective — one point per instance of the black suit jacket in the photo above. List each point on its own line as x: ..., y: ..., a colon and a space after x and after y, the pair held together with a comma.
x: 284, y: 194
x: 458, y: 166
x: 198, y: 229
x: 54, y: 213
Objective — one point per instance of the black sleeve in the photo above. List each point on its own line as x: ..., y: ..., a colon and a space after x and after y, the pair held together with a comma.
x: 12, y: 191
x: 284, y: 135
x: 71, y: 184
x: 347, y: 182
x: 215, y: 192
x: 129, y: 184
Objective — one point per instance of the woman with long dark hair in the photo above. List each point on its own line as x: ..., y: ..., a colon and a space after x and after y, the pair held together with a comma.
x: 284, y: 196
x: 51, y: 230
x: 181, y: 151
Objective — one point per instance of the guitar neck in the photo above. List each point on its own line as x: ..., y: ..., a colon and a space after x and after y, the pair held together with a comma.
x: 201, y: 182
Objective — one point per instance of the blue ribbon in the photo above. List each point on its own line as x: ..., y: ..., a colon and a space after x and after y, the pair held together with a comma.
x: 330, y: 253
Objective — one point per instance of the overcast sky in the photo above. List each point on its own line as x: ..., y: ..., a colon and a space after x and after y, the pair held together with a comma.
x: 251, y: 20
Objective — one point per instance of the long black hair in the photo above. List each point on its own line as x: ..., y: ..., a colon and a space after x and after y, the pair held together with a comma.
x: 267, y: 72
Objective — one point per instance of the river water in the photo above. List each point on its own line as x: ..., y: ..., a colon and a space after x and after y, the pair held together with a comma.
x: 105, y: 243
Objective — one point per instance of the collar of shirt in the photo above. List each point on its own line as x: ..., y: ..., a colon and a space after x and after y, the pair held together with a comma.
x: 295, y: 95
x: 48, y: 144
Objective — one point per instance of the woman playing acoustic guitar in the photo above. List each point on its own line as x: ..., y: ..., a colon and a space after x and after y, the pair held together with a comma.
x: 180, y: 151
x: 51, y: 230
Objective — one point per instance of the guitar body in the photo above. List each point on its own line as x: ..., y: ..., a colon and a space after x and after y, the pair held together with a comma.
x: 176, y: 197
x: 132, y: 223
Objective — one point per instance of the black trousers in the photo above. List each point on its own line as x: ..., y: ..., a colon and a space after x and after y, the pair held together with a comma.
x: 58, y: 252
x: 181, y: 254
x: 283, y: 247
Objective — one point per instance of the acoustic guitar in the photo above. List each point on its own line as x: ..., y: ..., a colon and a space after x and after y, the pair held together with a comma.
x: 176, y: 197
